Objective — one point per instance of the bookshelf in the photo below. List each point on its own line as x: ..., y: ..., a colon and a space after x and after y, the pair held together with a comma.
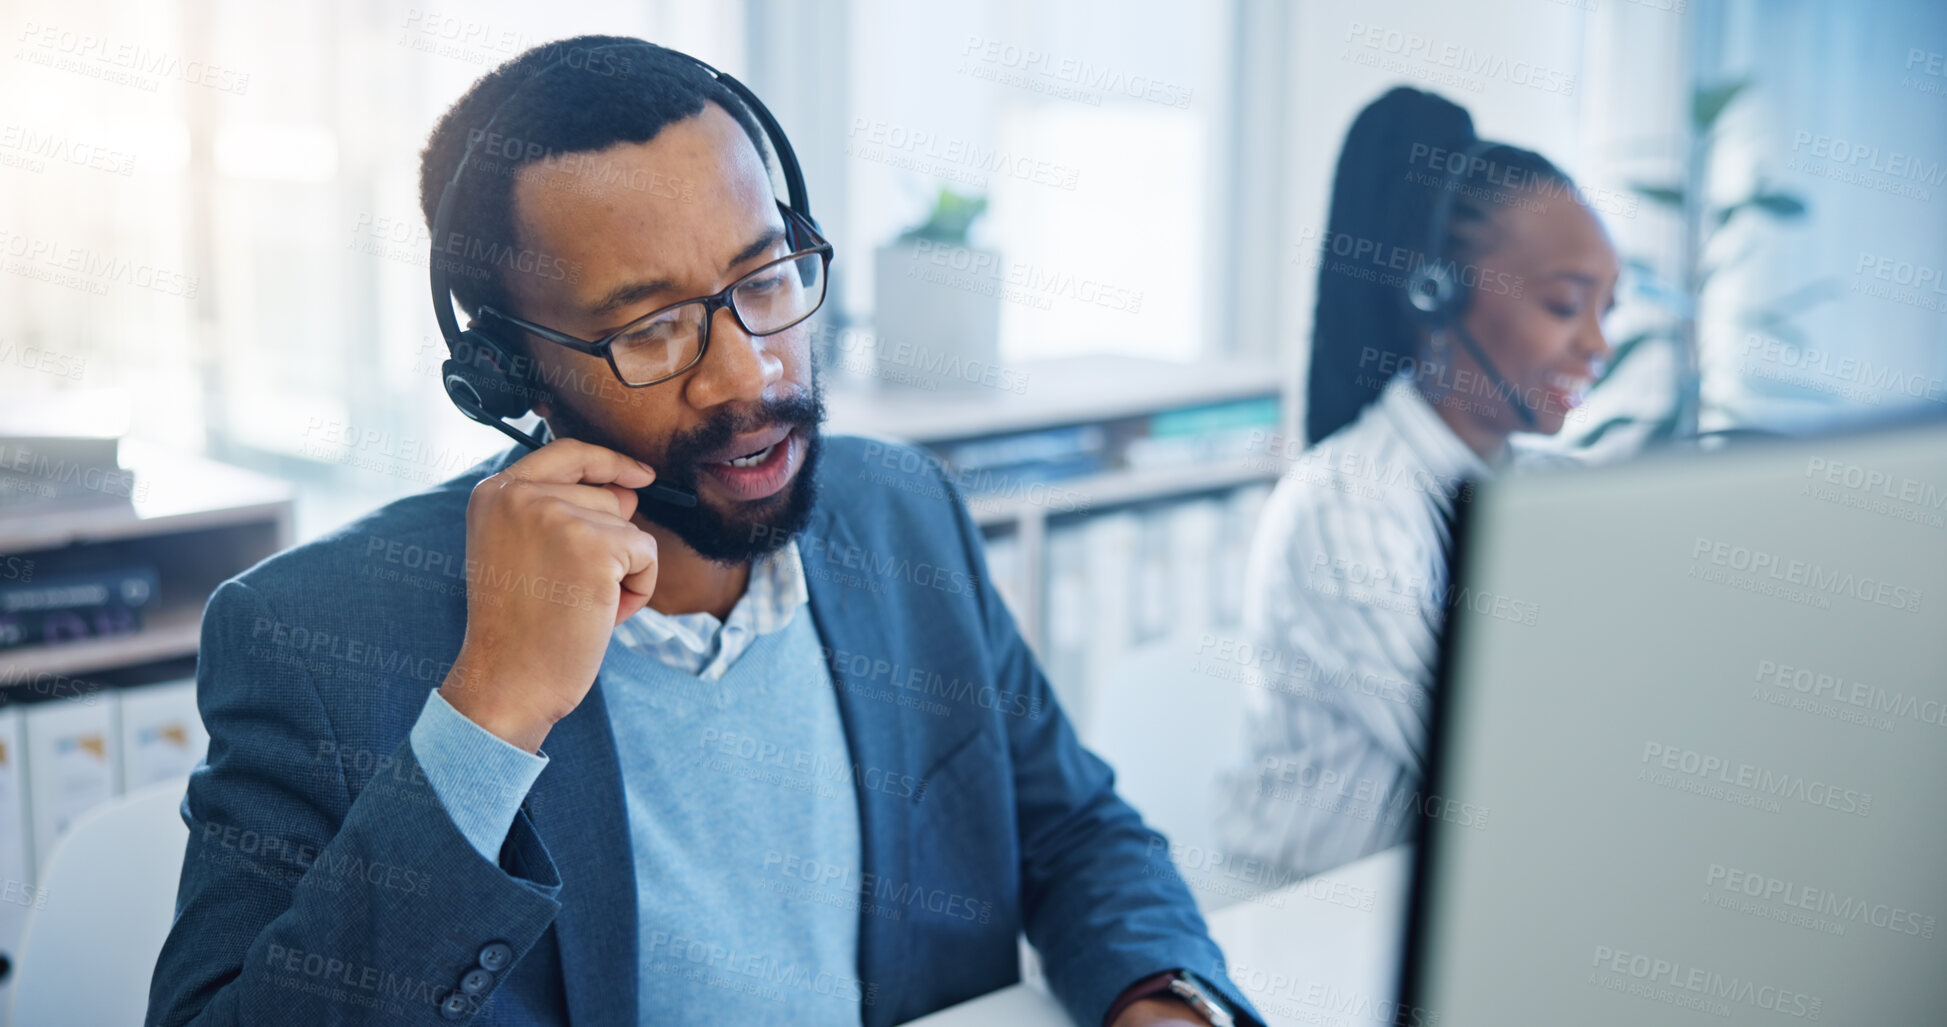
x: 85, y: 720
x: 1063, y: 391
x: 1118, y: 395
x: 197, y: 521
x: 1117, y: 587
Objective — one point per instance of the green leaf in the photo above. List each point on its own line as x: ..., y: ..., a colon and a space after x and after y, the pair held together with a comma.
x: 1670, y: 196
x: 1644, y: 278
x: 1644, y: 281
x: 1596, y: 433
x: 1664, y: 430
x: 1783, y: 206
x: 1709, y: 268
x: 1708, y: 103
x: 1621, y: 351
x: 1775, y: 317
x: 951, y: 219
x: 1807, y: 296
x: 1776, y: 325
x: 1779, y: 205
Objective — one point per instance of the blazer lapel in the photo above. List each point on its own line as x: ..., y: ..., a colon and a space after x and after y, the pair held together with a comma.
x: 846, y: 622
x: 578, y: 811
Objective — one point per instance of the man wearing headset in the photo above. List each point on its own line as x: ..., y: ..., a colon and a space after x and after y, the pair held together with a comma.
x: 727, y: 726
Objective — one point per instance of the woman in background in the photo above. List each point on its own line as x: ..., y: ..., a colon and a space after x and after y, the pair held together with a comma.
x: 1461, y: 289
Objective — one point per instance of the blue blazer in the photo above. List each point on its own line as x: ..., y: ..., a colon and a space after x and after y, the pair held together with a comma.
x: 323, y: 882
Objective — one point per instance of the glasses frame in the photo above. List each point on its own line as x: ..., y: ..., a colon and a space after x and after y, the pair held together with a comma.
x: 719, y: 300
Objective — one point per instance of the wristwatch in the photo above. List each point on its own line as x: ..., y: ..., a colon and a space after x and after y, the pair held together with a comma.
x: 1179, y: 984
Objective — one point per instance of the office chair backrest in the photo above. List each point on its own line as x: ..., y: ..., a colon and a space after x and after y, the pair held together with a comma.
x: 89, y: 953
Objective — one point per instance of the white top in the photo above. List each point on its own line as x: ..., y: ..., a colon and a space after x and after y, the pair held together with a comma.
x: 1344, y: 598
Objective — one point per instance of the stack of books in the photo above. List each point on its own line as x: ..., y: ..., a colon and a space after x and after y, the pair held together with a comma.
x: 1190, y: 436
x: 62, y: 450
x: 999, y: 464
x: 77, y: 604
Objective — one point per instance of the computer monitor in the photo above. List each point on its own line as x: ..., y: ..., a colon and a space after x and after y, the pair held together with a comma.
x: 1697, y: 707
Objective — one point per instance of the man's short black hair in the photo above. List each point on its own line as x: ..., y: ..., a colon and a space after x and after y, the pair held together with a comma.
x: 596, y: 91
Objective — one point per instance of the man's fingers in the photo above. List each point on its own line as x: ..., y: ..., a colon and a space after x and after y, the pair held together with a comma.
x: 639, y: 578
x: 639, y: 548
x: 602, y: 499
x: 633, y: 550
x: 625, y: 500
x: 572, y: 461
x: 631, y: 604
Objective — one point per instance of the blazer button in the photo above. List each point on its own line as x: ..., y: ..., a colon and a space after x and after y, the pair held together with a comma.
x: 476, y: 981
x: 454, y: 1007
x: 496, y: 956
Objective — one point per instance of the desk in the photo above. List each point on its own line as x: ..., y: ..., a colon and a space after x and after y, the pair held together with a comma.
x: 1322, y: 951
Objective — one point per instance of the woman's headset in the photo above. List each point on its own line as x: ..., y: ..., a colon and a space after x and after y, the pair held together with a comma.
x: 1436, y: 297
x: 487, y: 378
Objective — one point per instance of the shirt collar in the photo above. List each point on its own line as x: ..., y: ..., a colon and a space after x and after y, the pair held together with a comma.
x: 772, y: 595
x: 1436, y: 445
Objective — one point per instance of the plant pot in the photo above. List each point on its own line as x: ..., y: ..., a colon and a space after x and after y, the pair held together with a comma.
x: 937, y: 322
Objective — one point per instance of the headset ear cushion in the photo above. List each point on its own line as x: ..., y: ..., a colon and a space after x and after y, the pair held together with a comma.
x: 482, y: 375
x: 1432, y: 294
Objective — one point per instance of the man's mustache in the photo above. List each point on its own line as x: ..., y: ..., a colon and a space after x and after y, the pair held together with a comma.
x: 685, y: 451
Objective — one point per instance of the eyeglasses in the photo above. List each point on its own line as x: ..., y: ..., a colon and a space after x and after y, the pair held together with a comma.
x: 665, y: 343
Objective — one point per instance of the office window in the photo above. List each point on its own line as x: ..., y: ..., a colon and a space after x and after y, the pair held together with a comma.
x: 215, y: 206
x: 1096, y: 140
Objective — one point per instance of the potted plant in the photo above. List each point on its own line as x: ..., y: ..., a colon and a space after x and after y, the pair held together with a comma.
x: 1707, y: 224
x: 937, y: 301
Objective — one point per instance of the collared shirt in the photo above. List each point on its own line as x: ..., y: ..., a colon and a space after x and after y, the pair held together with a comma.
x: 699, y: 644
x: 1345, y: 595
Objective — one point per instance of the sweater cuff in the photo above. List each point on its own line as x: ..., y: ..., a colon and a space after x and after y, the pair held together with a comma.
x: 480, y: 777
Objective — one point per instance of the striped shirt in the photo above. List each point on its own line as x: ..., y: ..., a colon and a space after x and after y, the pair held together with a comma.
x: 1344, y: 596
x: 698, y: 643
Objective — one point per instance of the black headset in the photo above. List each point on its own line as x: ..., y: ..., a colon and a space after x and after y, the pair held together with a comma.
x: 483, y: 376
x: 1434, y: 293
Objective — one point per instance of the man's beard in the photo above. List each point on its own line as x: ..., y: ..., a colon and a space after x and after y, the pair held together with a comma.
x: 751, y: 529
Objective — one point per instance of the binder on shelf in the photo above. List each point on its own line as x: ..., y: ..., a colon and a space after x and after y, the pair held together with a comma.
x: 1156, y: 604
x: 1066, y: 618
x: 1110, y: 551
x: 18, y: 894
x: 1241, y: 511
x: 1196, y: 544
x: 162, y: 733
x: 71, y: 760
x: 1004, y: 567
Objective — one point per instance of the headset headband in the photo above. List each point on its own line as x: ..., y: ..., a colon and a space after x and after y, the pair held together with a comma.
x: 1431, y: 289
x: 480, y: 376
x: 449, y: 326
x: 1435, y: 292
